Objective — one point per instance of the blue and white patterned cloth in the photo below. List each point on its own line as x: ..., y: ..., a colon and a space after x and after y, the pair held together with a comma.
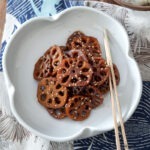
x: 138, y: 126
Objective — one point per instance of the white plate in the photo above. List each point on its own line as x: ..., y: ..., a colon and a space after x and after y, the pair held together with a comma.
x: 33, y: 39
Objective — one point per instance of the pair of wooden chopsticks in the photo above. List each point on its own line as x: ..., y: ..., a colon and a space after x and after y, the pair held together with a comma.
x: 114, y: 96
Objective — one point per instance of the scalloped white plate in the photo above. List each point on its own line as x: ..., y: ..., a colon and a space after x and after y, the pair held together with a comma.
x: 33, y: 39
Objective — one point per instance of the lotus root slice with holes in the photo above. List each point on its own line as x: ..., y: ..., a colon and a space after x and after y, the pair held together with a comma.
x: 91, y: 91
x: 104, y: 88
x: 95, y: 94
x: 57, y: 56
x: 43, y: 68
x: 89, y: 45
x: 58, y: 113
x: 101, y: 72
x: 78, y: 108
x: 51, y: 94
x: 75, y: 35
x: 47, y: 65
x: 74, y: 72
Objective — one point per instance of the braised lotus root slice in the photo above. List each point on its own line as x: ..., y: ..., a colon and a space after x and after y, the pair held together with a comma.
x: 58, y: 113
x: 43, y: 68
x: 87, y: 44
x: 74, y: 72
x: 51, y: 94
x: 93, y: 92
x: 92, y: 46
x: 76, y: 34
x: 78, y: 108
x: 57, y: 56
x: 48, y: 63
x: 101, y: 72
x: 76, y: 54
x: 104, y: 88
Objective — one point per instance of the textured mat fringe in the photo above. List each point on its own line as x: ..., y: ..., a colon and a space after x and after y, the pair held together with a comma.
x: 10, y: 129
x: 61, y: 146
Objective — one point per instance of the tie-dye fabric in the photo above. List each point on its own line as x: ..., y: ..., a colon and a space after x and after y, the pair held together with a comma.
x: 138, y: 126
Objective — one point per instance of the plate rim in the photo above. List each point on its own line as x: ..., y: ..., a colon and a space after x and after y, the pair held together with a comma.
x: 11, y: 88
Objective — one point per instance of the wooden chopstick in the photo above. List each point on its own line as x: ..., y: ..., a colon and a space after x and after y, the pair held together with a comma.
x: 114, y: 115
x: 2, y: 18
x: 112, y: 79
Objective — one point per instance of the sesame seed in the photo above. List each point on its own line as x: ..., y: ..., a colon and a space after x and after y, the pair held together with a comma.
x: 82, y: 103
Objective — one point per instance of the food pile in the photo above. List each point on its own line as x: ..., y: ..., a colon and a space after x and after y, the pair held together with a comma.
x: 73, y: 78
